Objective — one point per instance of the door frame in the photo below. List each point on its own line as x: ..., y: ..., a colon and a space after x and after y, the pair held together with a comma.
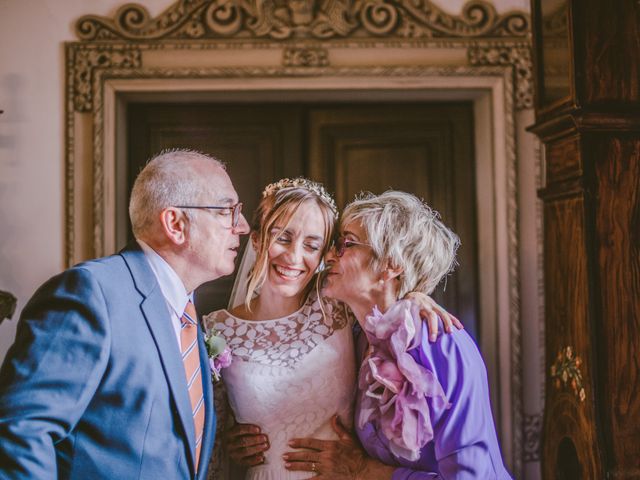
x: 494, y: 147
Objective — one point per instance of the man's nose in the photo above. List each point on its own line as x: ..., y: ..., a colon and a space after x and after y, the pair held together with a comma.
x: 243, y: 226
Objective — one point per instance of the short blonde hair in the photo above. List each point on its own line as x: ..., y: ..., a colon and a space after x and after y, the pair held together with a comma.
x: 277, y: 207
x: 406, y: 233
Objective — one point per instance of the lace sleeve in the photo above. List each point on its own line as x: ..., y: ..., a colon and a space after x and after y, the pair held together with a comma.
x: 350, y: 316
x: 338, y: 315
x: 209, y: 320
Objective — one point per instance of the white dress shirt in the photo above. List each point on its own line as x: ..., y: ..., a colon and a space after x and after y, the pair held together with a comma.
x: 171, y: 286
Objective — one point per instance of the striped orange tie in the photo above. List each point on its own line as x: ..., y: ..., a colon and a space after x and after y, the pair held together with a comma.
x: 191, y: 360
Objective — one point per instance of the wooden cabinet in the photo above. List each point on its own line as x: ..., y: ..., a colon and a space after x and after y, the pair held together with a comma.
x: 587, y: 63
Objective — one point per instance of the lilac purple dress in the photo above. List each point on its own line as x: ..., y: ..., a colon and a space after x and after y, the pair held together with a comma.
x: 424, y: 407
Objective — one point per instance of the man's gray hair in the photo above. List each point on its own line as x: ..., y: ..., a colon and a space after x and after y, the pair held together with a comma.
x: 406, y: 233
x: 167, y: 180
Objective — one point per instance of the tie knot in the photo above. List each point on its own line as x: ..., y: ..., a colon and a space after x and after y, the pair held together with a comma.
x: 189, y: 315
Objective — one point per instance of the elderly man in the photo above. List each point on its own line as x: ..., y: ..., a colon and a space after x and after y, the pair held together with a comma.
x: 108, y: 377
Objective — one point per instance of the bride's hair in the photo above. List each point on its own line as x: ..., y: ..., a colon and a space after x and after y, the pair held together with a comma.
x: 279, y: 203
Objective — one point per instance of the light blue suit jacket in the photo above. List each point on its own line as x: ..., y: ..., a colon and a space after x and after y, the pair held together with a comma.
x: 94, y: 386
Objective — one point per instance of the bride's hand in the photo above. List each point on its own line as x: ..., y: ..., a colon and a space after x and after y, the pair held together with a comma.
x: 246, y: 444
x: 343, y: 459
x: 430, y: 311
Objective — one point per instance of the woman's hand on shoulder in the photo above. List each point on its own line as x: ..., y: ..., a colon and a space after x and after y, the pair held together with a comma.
x: 430, y: 311
x: 246, y: 444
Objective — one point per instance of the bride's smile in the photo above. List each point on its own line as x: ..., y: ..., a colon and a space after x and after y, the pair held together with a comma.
x: 295, y: 253
x: 288, y: 272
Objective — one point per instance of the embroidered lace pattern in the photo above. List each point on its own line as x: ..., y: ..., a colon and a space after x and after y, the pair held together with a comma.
x: 289, y: 376
x: 283, y: 341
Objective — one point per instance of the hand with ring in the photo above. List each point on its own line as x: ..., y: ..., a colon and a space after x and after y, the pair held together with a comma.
x: 341, y: 459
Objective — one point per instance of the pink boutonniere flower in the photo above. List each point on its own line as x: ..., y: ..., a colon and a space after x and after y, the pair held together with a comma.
x: 219, y: 354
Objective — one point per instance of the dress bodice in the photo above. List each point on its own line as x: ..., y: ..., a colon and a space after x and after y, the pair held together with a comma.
x: 289, y: 376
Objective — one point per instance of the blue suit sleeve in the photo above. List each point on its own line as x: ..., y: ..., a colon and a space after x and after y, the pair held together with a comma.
x: 51, y: 372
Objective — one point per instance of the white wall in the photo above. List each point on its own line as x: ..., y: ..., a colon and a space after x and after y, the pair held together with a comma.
x: 32, y: 135
x: 32, y: 140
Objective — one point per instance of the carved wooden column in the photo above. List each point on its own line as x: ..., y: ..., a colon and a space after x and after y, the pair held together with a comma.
x: 587, y: 58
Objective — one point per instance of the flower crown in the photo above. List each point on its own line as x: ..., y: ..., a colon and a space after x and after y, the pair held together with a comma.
x: 304, y: 183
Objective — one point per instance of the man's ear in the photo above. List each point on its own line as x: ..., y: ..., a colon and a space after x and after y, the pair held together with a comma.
x: 174, y: 225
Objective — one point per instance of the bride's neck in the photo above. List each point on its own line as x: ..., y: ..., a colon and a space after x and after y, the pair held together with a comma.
x: 268, y: 306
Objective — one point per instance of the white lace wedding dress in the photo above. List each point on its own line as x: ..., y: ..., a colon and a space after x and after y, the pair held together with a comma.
x: 289, y: 376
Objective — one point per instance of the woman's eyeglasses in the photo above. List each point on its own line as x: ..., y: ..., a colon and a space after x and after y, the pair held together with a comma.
x: 234, y: 209
x: 341, y: 244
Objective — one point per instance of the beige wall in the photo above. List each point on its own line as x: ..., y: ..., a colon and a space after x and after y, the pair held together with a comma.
x: 32, y: 135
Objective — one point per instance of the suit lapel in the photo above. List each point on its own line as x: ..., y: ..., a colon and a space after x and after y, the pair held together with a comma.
x: 156, y: 314
x: 209, y: 420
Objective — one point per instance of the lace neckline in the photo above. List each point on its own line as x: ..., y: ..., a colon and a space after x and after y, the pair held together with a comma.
x: 307, y: 304
x: 281, y: 341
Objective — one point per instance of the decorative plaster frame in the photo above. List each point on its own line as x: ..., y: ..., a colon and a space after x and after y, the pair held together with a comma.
x: 493, y: 73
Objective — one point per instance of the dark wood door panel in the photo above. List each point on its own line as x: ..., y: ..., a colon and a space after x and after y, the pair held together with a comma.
x: 383, y: 162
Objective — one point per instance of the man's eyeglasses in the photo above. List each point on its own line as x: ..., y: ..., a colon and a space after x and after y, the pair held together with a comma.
x: 234, y: 209
x: 341, y: 244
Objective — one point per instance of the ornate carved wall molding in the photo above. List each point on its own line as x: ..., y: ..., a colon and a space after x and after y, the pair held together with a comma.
x: 516, y: 55
x: 305, y: 29
x: 532, y: 431
x: 305, y: 57
x: 84, y: 58
x: 83, y: 61
x: 280, y: 20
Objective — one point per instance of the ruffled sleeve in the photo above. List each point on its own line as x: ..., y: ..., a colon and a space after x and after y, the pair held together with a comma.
x: 395, y: 387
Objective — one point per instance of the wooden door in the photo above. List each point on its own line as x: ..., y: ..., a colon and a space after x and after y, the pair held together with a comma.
x: 425, y: 149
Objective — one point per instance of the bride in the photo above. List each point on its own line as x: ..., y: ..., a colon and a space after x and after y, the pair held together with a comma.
x: 293, y: 363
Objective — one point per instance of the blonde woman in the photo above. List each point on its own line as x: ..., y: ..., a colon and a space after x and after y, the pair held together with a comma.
x: 294, y: 363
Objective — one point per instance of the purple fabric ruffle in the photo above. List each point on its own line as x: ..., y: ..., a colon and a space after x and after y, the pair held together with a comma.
x: 394, y: 387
